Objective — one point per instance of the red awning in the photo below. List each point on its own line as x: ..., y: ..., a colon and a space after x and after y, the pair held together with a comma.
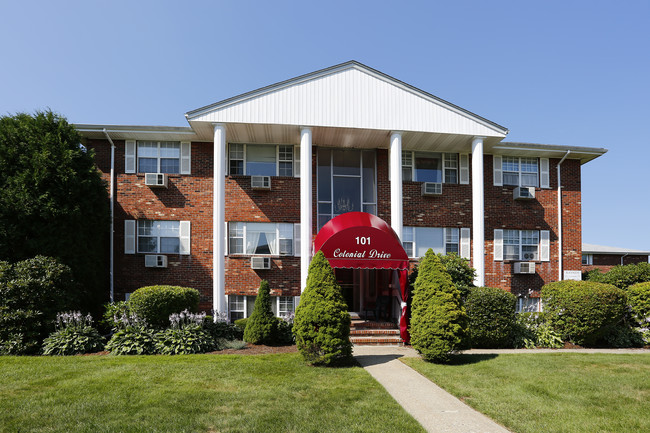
x: 361, y: 240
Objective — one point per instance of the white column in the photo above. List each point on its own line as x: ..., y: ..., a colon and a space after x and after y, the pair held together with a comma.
x: 305, y: 205
x: 218, y: 221
x: 478, y: 211
x: 395, y: 167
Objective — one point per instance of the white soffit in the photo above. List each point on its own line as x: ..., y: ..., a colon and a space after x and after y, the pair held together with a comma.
x: 349, y: 95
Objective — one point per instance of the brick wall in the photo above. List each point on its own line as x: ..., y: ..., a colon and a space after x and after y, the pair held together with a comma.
x: 189, y: 197
x: 605, y: 262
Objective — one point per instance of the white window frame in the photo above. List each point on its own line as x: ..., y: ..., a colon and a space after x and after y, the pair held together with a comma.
x: 293, y: 162
x: 158, y: 157
x: 526, y: 304
x: 244, y: 302
x: 280, y: 300
x: 447, y: 234
x: 157, y: 236
x: 587, y: 259
x: 520, y: 236
x: 408, y: 163
x: 519, y: 171
x: 283, y: 232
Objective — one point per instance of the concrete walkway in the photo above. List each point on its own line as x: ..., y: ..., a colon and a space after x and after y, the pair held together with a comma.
x: 433, y: 407
x: 430, y: 405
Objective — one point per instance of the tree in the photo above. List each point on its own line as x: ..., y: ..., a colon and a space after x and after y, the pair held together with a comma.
x: 53, y: 201
x: 322, y: 321
x: 438, y: 321
x: 261, y: 327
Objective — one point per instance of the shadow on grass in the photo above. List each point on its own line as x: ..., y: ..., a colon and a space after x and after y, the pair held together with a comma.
x: 465, y: 359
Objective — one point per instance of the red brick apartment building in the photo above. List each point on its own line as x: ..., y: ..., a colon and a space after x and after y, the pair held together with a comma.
x: 241, y: 194
x: 605, y: 258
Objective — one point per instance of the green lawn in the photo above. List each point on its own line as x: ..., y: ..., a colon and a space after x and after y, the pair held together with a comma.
x: 551, y: 392
x: 197, y: 393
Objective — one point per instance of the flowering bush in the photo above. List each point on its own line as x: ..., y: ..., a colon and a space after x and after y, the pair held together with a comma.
x: 185, y: 336
x: 220, y: 329
x: 74, y: 334
x: 133, y: 336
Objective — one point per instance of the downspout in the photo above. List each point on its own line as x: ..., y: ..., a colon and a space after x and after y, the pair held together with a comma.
x: 623, y: 256
x: 559, y: 215
x: 111, y: 205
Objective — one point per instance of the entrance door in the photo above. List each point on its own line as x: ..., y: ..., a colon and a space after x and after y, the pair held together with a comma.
x: 367, y: 292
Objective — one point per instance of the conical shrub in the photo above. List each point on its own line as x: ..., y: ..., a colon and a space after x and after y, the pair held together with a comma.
x: 261, y: 327
x: 438, y: 320
x: 322, y: 322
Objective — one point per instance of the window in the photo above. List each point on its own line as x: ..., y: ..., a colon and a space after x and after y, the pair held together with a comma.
x: 261, y: 159
x: 528, y: 305
x: 260, y: 238
x: 587, y: 259
x: 346, y: 182
x: 430, y: 167
x: 521, y: 245
x: 236, y: 307
x: 285, y: 305
x: 417, y: 240
x: 520, y: 171
x: 159, y: 157
x: 158, y: 237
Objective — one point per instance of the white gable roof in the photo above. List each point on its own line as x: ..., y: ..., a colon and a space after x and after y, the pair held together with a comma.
x: 350, y: 95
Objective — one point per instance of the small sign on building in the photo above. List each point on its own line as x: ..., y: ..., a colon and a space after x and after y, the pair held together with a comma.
x: 573, y: 275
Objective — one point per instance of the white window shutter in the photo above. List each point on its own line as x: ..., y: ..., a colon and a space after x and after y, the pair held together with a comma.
x: 464, y: 169
x: 296, y: 240
x: 129, y: 237
x: 498, y: 245
x: 186, y: 157
x: 225, y: 239
x: 544, y: 246
x: 129, y: 156
x: 184, y: 235
x: 296, y: 161
x: 465, y: 243
x: 498, y: 172
x: 544, y: 179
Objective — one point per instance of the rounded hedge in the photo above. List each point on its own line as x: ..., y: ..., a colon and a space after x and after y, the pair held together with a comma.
x: 583, y: 312
x: 492, y: 317
x: 639, y: 301
x: 156, y: 303
x: 438, y: 319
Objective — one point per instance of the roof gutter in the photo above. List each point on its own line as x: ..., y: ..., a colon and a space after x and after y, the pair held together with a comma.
x: 559, y: 215
x: 111, y: 197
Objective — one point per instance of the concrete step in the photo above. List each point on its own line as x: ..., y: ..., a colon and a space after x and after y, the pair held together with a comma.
x: 367, y: 324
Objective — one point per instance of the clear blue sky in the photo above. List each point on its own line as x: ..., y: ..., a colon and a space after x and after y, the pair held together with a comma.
x: 553, y: 72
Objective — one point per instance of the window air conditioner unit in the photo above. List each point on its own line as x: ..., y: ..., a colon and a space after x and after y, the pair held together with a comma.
x: 524, y: 267
x: 261, y: 182
x: 431, y: 188
x: 155, y: 180
x: 260, y: 263
x: 524, y: 193
x: 155, y: 261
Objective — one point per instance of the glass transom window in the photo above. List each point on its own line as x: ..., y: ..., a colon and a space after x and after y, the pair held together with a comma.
x: 346, y: 181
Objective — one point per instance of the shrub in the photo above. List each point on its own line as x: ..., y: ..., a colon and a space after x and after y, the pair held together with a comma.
x: 322, y: 323
x: 241, y: 324
x: 185, y: 336
x: 285, y: 325
x: 262, y: 326
x: 113, y: 314
x: 623, y: 276
x: 491, y: 314
x: 156, y: 303
x: 222, y: 330
x: 74, y: 335
x: 31, y: 293
x: 583, y: 312
x: 439, y: 321
x: 458, y: 268
x: 531, y: 331
x: 639, y: 300
x: 133, y: 337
